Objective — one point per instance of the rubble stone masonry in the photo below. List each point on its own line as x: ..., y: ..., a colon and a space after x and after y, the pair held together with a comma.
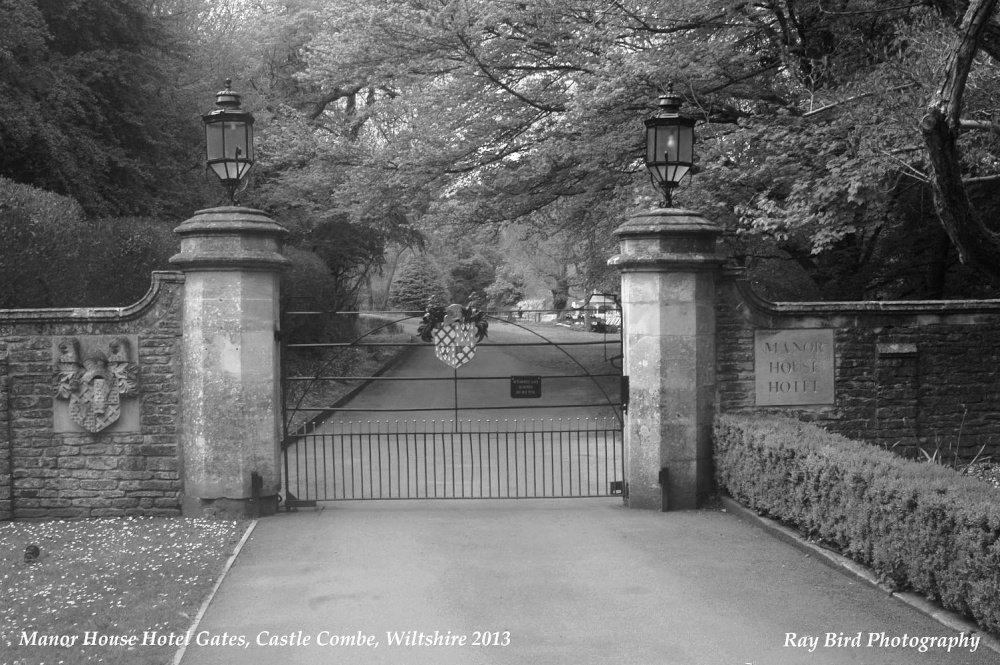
x: 128, y: 468
x: 911, y: 376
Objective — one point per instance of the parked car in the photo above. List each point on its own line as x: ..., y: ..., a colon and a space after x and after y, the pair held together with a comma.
x: 600, y: 312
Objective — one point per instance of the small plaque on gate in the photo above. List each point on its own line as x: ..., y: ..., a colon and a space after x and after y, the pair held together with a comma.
x: 525, y: 386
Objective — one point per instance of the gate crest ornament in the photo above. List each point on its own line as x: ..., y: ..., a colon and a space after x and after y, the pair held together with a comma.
x: 455, y: 331
x: 95, y: 384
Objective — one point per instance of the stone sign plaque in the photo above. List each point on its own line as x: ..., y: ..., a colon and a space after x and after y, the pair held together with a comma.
x: 794, y: 367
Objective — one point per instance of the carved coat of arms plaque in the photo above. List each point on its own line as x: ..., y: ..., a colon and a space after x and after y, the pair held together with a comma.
x: 96, y: 383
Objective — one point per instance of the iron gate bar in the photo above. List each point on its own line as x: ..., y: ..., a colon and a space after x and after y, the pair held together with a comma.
x: 444, y: 378
x: 621, y: 419
x: 315, y: 345
x: 529, y: 455
x: 393, y: 409
x: 337, y: 465
x: 284, y: 407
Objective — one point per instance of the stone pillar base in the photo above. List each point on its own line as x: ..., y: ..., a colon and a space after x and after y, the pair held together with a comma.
x: 229, y: 509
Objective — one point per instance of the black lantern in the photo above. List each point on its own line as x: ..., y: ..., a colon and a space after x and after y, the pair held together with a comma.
x: 229, y: 140
x: 669, y: 145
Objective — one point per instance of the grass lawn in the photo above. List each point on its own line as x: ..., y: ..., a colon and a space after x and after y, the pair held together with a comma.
x: 107, y: 580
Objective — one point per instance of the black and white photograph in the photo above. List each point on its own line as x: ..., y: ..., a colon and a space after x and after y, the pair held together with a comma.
x: 499, y: 332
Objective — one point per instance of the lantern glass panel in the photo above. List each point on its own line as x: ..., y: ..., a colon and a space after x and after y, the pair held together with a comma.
x: 685, y: 151
x: 235, y: 140
x: 667, y: 142
x: 680, y: 153
x: 229, y: 148
x: 230, y: 170
x: 214, y: 141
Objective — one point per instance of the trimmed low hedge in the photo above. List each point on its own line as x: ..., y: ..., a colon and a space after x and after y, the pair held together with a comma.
x: 921, y: 527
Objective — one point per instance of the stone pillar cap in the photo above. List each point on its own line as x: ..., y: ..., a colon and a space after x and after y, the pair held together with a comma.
x: 230, y: 238
x: 229, y: 220
x: 667, y: 240
x: 667, y: 221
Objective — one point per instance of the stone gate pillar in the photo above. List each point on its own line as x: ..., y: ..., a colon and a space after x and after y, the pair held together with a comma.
x: 230, y: 415
x: 668, y: 262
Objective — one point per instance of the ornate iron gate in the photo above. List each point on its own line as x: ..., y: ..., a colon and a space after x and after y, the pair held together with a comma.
x: 341, y: 444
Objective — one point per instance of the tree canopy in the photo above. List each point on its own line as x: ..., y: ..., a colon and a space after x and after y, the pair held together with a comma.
x: 848, y: 147
x: 450, y: 114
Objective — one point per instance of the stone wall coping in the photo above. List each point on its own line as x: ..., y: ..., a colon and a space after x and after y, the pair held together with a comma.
x: 845, y: 313
x: 95, y: 314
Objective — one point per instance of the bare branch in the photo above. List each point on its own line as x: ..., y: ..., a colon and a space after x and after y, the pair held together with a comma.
x: 854, y: 98
x: 980, y: 125
x: 482, y: 66
x: 329, y: 98
x: 880, y: 10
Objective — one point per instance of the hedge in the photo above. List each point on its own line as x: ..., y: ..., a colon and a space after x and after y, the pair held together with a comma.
x: 920, y: 526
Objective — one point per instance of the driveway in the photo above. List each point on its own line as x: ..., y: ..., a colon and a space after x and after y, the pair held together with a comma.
x: 547, y: 581
x: 575, y: 582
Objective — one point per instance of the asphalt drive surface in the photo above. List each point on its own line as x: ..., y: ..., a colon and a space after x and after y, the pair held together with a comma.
x: 427, y: 388
x: 574, y: 581
x: 548, y: 581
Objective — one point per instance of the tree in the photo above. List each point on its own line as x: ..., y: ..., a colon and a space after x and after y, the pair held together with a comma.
x: 420, y: 285
x: 498, y: 113
x: 506, y: 290
x: 469, y: 278
x: 942, y: 126
x: 87, y: 109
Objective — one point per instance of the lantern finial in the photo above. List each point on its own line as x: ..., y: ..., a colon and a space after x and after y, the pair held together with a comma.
x: 669, y: 144
x: 229, y: 140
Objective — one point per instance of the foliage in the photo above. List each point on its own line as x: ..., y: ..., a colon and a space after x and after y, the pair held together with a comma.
x: 306, y: 287
x: 506, y: 290
x: 88, y: 108
x: 469, y: 279
x: 436, y: 317
x: 350, y: 253
x: 419, y: 286
x: 919, y: 526
x: 457, y: 115
x: 116, y: 256
x: 52, y: 256
x: 381, y: 124
x: 39, y: 231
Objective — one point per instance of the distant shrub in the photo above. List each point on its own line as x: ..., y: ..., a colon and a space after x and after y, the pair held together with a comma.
x: 307, y: 286
x: 919, y: 526
x: 419, y: 285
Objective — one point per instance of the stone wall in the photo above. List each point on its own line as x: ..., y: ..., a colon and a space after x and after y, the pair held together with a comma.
x: 62, y: 454
x: 909, y: 376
